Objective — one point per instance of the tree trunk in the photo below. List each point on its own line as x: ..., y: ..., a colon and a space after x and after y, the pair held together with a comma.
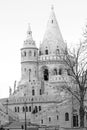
x: 81, y: 112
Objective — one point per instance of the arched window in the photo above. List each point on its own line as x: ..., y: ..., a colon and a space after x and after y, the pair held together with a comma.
x: 52, y: 20
x: 60, y: 71
x: 40, y: 92
x: 29, y: 75
x: 30, y: 53
x: 46, y: 74
x: 33, y: 92
x: 34, y: 53
x: 66, y: 116
x: 15, y: 109
x: 46, y: 52
x: 39, y: 53
x: 57, y: 51
x: 26, y: 109
x: 57, y: 117
x: 24, y: 69
x: 41, y: 121
x: 29, y: 108
x: 36, y: 110
x: 49, y: 119
x: 39, y: 108
x: 75, y: 120
x: 24, y: 53
x: 23, y: 109
x: 55, y: 71
x: 18, y: 109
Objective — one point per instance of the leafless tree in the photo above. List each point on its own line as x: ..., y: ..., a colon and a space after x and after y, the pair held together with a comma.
x: 76, y: 63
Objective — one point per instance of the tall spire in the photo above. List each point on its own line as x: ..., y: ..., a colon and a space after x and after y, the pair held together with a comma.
x: 53, y: 30
x: 29, y: 32
x: 52, y: 39
x: 29, y: 42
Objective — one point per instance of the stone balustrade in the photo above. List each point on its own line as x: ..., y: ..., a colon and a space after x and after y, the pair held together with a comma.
x: 50, y: 57
x: 59, y: 78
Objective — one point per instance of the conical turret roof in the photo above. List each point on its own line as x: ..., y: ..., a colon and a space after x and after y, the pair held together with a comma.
x: 53, y: 31
x: 52, y: 39
x: 29, y: 42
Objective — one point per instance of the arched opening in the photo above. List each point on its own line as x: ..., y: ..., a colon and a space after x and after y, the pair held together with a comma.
x: 29, y: 108
x: 23, y: 109
x: 33, y: 92
x: 49, y: 119
x: 75, y: 120
x: 46, y: 52
x: 39, y: 53
x: 39, y: 108
x: 57, y: 51
x: 26, y: 109
x: 46, y: 74
x: 15, y: 109
x: 30, y: 53
x: 66, y: 116
x: 18, y: 109
x: 55, y: 71
x: 29, y: 75
x: 60, y: 71
x: 24, y: 53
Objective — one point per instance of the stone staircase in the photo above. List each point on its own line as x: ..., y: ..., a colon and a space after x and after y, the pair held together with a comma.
x: 12, y: 116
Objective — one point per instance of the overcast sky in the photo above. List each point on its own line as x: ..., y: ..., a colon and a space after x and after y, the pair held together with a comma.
x: 14, y: 18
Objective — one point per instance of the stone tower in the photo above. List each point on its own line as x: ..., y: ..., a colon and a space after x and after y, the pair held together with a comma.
x: 29, y: 55
x: 50, y: 50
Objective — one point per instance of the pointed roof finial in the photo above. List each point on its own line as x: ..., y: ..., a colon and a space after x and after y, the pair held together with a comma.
x: 29, y: 28
x: 52, y: 7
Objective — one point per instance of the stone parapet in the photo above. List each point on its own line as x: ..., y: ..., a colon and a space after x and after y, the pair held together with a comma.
x: 50, y: 58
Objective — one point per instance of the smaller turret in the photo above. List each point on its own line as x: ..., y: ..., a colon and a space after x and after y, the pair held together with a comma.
x: 29, y: 54
x: 29, y: 42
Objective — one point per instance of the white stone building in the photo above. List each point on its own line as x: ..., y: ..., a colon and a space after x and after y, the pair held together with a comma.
x: 42, y: 76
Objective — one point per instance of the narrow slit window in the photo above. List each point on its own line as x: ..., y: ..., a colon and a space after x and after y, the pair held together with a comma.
x: 33, y: 92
